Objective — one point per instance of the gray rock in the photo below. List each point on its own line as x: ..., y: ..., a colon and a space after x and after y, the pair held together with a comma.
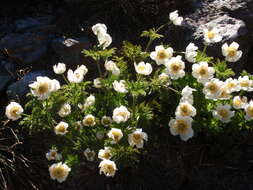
x: 20, y: 88
x: 69, y: 50
x: 7, y: 74
x: 33, y: 22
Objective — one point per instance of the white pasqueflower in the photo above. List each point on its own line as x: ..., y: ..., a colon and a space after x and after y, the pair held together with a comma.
x: 75, y: 76
x: 239, y: 102
x: 212, y: 35
x: 13, y: 111
x: 106, y: 121
x: 105, y: 154
x: 55, y: 84
x: 161, y: 55
x: 83, y: 69
x: 115, y: 134
x: 65, y: 110
x: 89, y: 154
x: 104, y: 40
x: 224, y: 93
x: 61, y: 128
x: 90, y: 100
x: 59, y: 171
x: 223, y: 113
x: 175, y: 18
x: 231, y: 52
x: 249, y: 110
x: 137, y: 138
x: 202, y: 72
x: 164, y: 78
x: 53, y: 155
x: 99, y: 29
x: 175, y: 67
x: 60, y: 68
x: 245, y: 83
x: 185, y: 109
x: 187, y: 95
x: 89, y: 120
x: 120, y: 114
x: 212, y: 88
x: 191, y: 53
x: 232, y: 85
x: 182, y: 126
x: 42, y: 87
x: 100, y: 135
x: 97, y: 83
x: 107, y: 167
x: 143, y: 68
x: 112, y: 67
x: 120, y: 86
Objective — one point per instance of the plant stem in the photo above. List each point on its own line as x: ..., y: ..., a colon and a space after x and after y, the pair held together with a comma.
x: 204, y: 50
x: 99, y: 69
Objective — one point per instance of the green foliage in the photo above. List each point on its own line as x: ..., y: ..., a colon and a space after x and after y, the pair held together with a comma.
x: 222, y: 71
x: 152, y: 34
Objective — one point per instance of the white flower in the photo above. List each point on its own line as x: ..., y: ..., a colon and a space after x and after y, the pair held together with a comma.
x: 75, y: 76
x: 223, y: 113
x: 59, y: 171
x: 137, y: 138
x: 53, y: 155
x: 182, y: 126
x: 55, y: 85
x: 100, y: 135
x: 89, y: 154
x: 60, y: 68
x: 107, y: 167
x: 187, y: 96
x: 232, y: 85
x: 105, y: 154
x: 115, y: 135
x: 175, y: 67
x: 65, y: 110
x: 106, y: 121
x: 120, y: 86
x: 13, y: 111
x: 42, y: 87
x: 120, y: 114
x: 231, y: 52
x: 97, y: 83
x: 177, y: 20
x: 161, y: 55
x: 239, y: 102
x: 61, y: 128
x: 212, y: 35
x: 212, y: 88
x: 224, y: 93
x: 110, y: 65
x: 90, y: 101
x: 191, y: 53
x: 99, y: 29
x: 249, y: 110
x: 83, y: 69
x: 185, y: 109
x: 202, y: 72
x: 164, y: 78
x: 104, y: 40
x: 89, y: 120
x: 245, y: 83
x: 143, y: 68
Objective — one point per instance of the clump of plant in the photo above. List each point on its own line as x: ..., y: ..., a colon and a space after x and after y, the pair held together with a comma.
x: 110, y: 120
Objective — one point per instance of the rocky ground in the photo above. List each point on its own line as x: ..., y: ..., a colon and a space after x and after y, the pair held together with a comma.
x: 36, y: 35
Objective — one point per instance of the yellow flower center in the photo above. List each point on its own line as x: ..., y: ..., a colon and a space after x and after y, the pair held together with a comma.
x: 210, y: 34
x: 122, y: 114
x: 141, y: 68
x: 213, y: 87
x: 203, y: 70
x: 162, y: 54
x: 184, y: 110
x: 110, y: 169
x: 90, y: 154
x: 245, y: 83
x: 61, y: 129
x: 223, y: 113
x: 89, y: 121
x: 116, y: 135
x: 106, y: 155
x: 106, y: 121
x: 175, y: 67
x: 14, y: 111
x: 250, y: 111
x: 231, y: 51
x: 181, y: 127
x: 137, y: 138
x: 237, y: 102
x: 53, y: 154
x: 59, y: 172
x: 43, y: 88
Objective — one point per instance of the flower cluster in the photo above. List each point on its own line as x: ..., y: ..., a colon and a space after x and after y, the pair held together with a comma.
x: 104, y: 121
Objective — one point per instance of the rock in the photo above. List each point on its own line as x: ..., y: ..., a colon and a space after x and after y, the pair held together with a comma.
x: 20, y: 88
x: 7, y: 74
x: 31, y: 40
x: 69, y: 50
